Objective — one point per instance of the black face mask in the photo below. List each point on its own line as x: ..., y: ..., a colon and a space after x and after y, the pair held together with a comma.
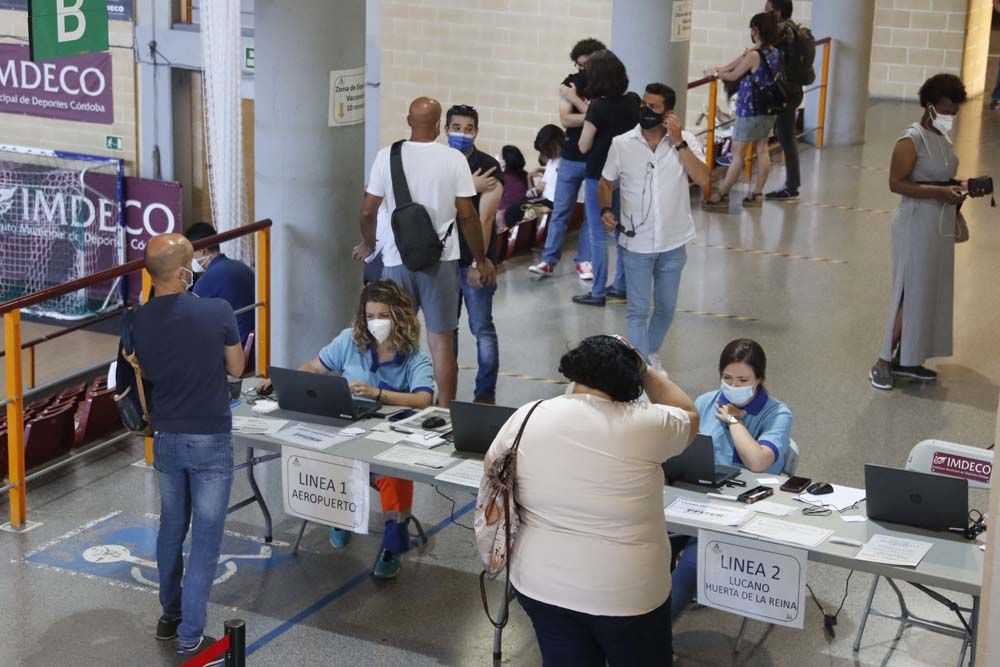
x: 648, y: 119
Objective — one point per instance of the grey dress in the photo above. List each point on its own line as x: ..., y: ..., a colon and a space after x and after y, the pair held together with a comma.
x: 923, y: 257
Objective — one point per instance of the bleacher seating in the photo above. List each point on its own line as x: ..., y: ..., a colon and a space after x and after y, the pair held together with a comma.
x: 96, y: 416
x: 48, y: 436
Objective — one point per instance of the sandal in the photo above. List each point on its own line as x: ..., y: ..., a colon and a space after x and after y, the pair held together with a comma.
x: 717, y: 202
x: 755, y: 200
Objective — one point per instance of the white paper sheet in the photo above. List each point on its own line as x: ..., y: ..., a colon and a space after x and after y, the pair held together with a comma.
x: 312, y: 438
x: 388, y: 437
x: 264, y: 406
x: 720, y: 514
x: 785, y: 531
x: 467, y: 473
x: 769, y: 507
x: 852, y: 518
x: 412, y: 456
x: 894, y: 551
x: 841, y: 498
x: 423, y: 439
x: 258, y: 425
x: 769, y: 481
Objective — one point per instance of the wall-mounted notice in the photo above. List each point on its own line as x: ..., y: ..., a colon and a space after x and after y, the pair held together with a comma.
x: 347, y: 97
x: 680, y: 24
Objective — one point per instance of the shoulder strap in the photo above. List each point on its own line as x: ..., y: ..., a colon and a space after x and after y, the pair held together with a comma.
x: 520, y: 432
x: 400, y: 188
x: 763, y: 61
x: 129, y: 353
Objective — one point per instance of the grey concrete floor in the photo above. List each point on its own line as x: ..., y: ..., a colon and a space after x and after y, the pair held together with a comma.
x: 821, y: 323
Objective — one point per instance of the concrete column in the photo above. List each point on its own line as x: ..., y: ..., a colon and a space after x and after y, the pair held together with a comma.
x: 850, y: 24
x: 641, y: 35
x: 373, y: 82
x: 309, y: 176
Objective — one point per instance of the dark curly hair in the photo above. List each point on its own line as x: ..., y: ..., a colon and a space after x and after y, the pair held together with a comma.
x: 941, y: 86
x: 586, y: 47
x: 606, y: 364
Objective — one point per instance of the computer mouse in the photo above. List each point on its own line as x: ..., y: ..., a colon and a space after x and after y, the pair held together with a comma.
x: 433, y: 422
x: 819, y: 488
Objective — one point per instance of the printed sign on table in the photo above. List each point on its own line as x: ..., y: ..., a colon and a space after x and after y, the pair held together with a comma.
x: 953, y: 465
x: 326, y: 489
x: 763, y: 581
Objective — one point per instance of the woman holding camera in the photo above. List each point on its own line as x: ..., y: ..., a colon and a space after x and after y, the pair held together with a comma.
x: 588, y: 561
x: 924, y: 229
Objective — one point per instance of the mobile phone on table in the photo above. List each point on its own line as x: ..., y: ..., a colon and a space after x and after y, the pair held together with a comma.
x: 401, y: 415
x: 796, y: 484
x: 755, y: 494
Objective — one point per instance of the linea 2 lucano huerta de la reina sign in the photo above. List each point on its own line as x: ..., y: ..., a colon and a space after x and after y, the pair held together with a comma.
x: 75, y: 88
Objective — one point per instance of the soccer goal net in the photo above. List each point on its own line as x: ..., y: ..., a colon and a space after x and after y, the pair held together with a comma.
x: 60, y: 220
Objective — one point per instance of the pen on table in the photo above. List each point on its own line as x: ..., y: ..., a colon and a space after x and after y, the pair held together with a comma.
x: 735, y: 482
x: 845, y: 542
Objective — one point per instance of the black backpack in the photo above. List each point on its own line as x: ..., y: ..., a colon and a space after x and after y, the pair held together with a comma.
x: 798, y: 53
x: 133, y: 397
x: 771, y: 99
x: 416, y: 237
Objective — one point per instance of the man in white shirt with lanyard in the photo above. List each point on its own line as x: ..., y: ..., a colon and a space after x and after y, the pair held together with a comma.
x: 652, y: 164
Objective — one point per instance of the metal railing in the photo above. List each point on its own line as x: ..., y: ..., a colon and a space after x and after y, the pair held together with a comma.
x: 713, y: 98
x: 11, y: 313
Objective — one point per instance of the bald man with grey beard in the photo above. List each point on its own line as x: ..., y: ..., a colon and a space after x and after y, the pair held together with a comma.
x: 186, y: 346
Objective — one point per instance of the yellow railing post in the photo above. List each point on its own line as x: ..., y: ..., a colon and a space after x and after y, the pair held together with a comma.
x: 748, y: 162
x: 263, y: 330
x: 31, y: 367
x: 15, y: 419
x: 147, y: 286
x: 713, y: 93
x: 824, y: 85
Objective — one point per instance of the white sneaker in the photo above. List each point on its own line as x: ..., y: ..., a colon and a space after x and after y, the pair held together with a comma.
x: 585, y: 271
x: 542, y: 269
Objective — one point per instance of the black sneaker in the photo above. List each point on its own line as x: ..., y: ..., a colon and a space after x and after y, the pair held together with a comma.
x: 881, y: 377
x: 784, y: 194
x: 166, y: 628
x: 918, y: 373
x: 589, y: 299
x: 202, y: 644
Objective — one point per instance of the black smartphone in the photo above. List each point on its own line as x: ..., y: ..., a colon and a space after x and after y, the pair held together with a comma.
x: 401, y: 415
x: 755, y: 494
x: 796, y: 484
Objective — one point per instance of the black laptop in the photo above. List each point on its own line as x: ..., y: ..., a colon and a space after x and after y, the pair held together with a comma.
x: 696, y: 465
x: 918, y: 499
x: 475, y: 425
x: 315, y: 394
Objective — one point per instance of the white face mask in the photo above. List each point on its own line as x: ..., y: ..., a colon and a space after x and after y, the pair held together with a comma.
x: 188, y: 282
x: 738, y: 396
x: 942, y: 122
x: 380, y: 330
x: 199, y: 265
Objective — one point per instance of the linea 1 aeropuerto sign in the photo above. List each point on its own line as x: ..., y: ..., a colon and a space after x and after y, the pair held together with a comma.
x: 75, y: 88
x: 760, y: 580
x: 326, y: 489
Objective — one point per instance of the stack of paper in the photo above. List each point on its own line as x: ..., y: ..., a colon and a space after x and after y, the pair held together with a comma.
x: 312, y: 438
x: 842, y: 498
x: 894, y: 551
x: 423, y: 439
x: 412, y: 456
x: 257, y: 425
x: 718, y: 514
x: 467, y: 473
x: 785, y: 531
x: 769, y: 507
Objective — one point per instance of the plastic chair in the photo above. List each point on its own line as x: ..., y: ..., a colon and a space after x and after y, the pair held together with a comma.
x: 48, y: 436
x: 922, y: 459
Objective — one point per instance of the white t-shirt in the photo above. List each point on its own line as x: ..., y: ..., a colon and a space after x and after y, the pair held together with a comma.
x: 590, y: 495
x: 436, y: 175
x: 655, y: 195
x: 549, y: 176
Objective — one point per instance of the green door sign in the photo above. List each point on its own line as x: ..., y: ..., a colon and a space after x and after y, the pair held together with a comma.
x: 60, y: 28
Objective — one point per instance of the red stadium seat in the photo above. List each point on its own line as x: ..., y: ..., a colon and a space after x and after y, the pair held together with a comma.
x: 96, y: 416
x: 48, y: 436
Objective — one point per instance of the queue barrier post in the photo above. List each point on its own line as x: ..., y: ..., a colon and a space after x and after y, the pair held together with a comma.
x: 263, y: 335
x: 15, y: 419
x: 713, y: 101
x: 236, y: 632
x: 824, y: 86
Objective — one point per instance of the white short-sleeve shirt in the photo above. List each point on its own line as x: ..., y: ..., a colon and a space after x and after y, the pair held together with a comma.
x: 590, y: 495
x: 655, y: 194
x: 436, y: 175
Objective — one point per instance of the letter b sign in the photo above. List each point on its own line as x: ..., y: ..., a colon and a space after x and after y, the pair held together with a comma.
x: 60, y: 28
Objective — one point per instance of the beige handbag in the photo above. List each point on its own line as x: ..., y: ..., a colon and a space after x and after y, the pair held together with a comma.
x: 961, y: 228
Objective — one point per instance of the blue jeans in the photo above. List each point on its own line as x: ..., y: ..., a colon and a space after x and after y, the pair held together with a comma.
x: 996, y: 92
x: 599, y: 241
x: 661, y: 273
x: 568, y: 180
x: 568, y: 637
x: 196, y: 474
x: 684, y: 579
x: 479, y: 306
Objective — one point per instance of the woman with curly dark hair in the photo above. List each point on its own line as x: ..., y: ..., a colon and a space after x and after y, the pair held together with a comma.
x: 922, y: 172
x: 381, y: 359
x: 589, y: 561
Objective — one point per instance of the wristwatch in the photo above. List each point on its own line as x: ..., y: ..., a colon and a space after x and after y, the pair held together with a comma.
x: 681, y: 146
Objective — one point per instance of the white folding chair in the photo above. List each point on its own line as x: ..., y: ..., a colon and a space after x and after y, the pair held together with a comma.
x: 925, y: 456
x: 791, y: 465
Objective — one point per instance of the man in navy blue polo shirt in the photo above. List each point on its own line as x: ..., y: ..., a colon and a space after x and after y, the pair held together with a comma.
x: 223, y: 278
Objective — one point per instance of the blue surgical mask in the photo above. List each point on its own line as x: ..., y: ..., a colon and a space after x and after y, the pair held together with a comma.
x: 460, y: 142
x: 739, y: 396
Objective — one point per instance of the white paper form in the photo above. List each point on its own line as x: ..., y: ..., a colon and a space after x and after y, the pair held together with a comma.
x: 388, y: 437
x: 413, y: 456
x: 894, y: 551
x: 467, y: 473
x: 423, y: 439
x: 785, y: 531
x: 258, y: 425
x: 842, y: 498
x: 309, y: 437
x: 772, y: 508
x: 715, y: 513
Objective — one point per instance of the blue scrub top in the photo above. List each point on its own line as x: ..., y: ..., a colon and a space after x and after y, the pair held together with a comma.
x: 232, y: 280
x: 405, y: 373
x: 768, y: 420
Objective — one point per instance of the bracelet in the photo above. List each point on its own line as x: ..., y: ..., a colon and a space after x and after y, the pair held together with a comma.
x: 379, y: 394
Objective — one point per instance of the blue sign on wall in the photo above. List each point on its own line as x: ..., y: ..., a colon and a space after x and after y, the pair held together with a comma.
x: 118, y: 10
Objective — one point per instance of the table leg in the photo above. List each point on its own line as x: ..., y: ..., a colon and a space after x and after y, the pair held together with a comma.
x: 298, y: 540
x: 259, y: 497
x: 974, y: 624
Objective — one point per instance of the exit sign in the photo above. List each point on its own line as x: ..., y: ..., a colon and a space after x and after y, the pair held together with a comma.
x: 60, y: 28
x: 114, y: 143
x: 248, y: 57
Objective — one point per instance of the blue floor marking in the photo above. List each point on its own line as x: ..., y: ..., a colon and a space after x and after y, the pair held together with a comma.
x: 351, y: 584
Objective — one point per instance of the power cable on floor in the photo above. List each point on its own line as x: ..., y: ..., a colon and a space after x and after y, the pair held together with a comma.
x: 453, y: 519
x: 830, y: 620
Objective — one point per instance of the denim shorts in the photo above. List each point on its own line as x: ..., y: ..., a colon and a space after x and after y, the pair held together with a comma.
x: 752, y: 128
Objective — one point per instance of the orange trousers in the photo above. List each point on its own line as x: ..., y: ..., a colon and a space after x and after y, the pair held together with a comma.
x: 396, y: 496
